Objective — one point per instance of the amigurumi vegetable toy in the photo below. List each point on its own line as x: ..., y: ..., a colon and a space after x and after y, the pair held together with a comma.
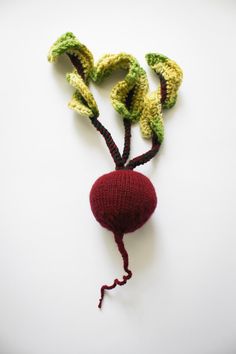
x: 122, y: 200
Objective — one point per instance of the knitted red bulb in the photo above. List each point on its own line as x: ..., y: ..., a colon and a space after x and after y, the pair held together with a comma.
x: 123, y: 200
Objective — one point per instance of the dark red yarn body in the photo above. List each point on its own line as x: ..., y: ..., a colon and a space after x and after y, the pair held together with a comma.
x: 122, y: 201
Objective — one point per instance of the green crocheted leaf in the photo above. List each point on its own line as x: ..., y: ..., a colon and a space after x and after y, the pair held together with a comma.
x: 130, y: 96
x: 127, y: 96
x: 77, y: 105
x: 170, y: 75
x: 82, y: 100
x: 69, y: 44
x: 151, y: 120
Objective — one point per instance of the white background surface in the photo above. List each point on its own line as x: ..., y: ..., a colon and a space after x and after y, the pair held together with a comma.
x: 53, y: 255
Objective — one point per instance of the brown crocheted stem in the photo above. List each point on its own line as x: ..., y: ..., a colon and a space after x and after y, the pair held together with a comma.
x: 114, y: 151
x: 163, y: 88
x: 121, y: 160
x: 126, y: 150
x: 124, y: 254
x: 77, y: 64
x: 147, y: 156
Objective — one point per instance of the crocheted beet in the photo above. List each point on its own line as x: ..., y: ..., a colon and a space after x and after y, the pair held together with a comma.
x: 122, y: 201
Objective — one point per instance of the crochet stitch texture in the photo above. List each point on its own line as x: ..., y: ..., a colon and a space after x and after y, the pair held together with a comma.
x: 122, y: 200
